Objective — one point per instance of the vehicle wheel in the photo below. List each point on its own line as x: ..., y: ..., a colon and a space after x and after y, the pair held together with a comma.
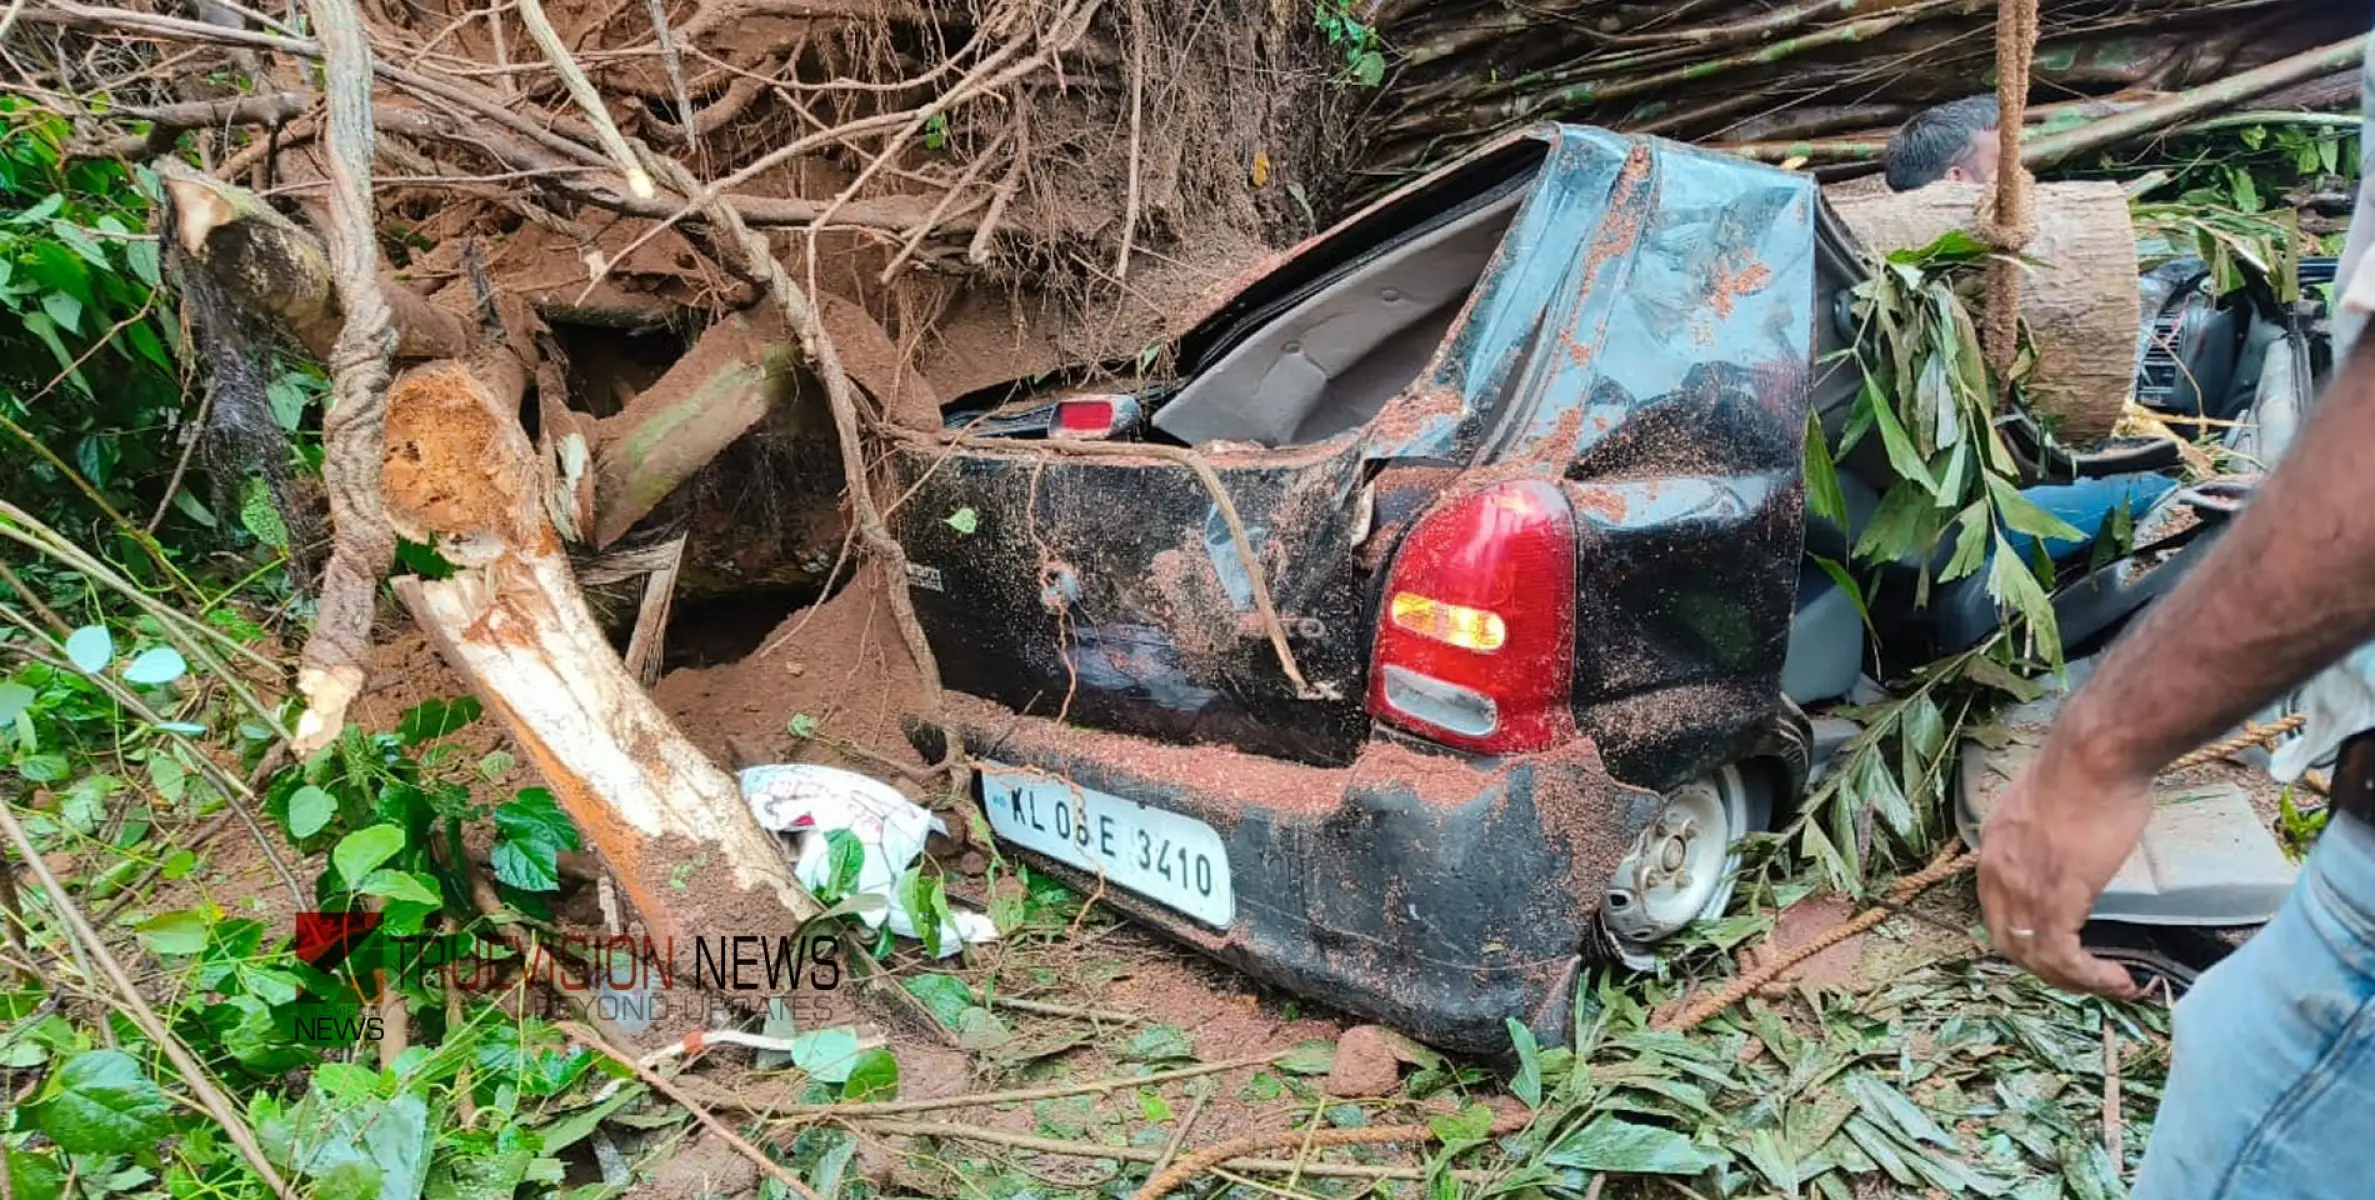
x: 1681, y: 868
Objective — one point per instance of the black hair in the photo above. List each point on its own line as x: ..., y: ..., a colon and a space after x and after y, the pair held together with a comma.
x: 1937, y: 139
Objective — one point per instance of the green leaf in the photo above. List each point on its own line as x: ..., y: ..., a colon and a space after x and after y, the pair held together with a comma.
x: 35, y: 1176
x: 1611, y: 1143
x: 268, y: 985
x: 946, y: 995
x: 155, y: 667
x: 358, y: 852
x: 182, y: 932
x: 827, y: 1055
x: 1970, y: 542
x: 15, y: 698
x: 43, y: 768
x: 167, y: 775
x: 102, y: 1103
x: 1528, y: 1083
x: 63, y: 309
x: 926, y: 898
x: 874, y: 1076
x: 1847, y: 584
x: 82, y: 243
x: 141, y: 256
x: 1888, y: 1108
x: 2022, y: 515
x: 1161, y: 1043
x: 531, y: 831
x: 288, y: 394
x: 1368, y: 70
x: 90, y: 649
x: 2015, y: 589
x: 1822, y: 475
x: 400, y: 885
x: 577, y: 1126
x: 1309, y: 1058
x: 430, y: 720
x: 964, y: 521
x: 1460, y: 1130
x: 845, y: 860
x: 259, y: 517
x: 1901, y: 453
x: 187, y: 504
x: 310, y: 810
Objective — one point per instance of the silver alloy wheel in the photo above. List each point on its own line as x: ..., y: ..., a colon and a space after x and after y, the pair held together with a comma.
x: 1680, y: 869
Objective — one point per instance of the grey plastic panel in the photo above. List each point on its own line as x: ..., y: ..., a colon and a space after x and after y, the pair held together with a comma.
x: 1332, y: 362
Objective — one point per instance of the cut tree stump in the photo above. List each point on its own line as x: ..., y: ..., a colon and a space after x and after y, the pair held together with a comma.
x: 461, y: 474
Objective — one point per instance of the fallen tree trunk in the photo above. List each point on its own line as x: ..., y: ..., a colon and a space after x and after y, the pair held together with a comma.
x: 2081, y: 309
x: 672, y: 827
x: 724, y: 387
x: 272, y: 265
x: 713, y: 395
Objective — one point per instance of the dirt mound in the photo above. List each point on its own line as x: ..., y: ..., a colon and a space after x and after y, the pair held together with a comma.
x: 839, y: 664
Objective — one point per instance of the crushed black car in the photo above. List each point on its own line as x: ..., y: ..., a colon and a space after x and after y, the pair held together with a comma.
x: 1474, y: 634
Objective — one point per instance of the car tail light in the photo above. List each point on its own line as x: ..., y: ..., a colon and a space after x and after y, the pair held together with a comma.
x: 1083, y: 418
x: 1476, y: 643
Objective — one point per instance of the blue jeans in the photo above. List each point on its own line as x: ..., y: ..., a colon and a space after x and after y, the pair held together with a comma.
x: 2272, y: 1091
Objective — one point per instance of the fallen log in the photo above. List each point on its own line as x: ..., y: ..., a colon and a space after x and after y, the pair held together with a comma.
x: 272, y: 265
x: 669, y: 824
x: 713, y: 395
x: 720, y: 390
x: 2081, y: 308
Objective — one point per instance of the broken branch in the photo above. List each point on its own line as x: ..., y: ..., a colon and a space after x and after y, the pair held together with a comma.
x: 330, y: 673
x: 581, y: 90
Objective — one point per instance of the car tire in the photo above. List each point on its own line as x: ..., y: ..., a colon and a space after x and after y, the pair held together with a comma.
x: 1681, y: 869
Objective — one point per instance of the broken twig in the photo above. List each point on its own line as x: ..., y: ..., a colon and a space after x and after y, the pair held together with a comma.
x: 588, y: 100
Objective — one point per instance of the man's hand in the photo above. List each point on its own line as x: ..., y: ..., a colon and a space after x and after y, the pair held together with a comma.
x: 2054, y: 840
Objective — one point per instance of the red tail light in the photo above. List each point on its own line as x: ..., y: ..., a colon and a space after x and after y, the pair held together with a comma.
x: 1084, y: 418
x: 1476, y: 632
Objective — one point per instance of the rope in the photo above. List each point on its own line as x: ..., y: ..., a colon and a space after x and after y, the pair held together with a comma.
x: 2252, y: 735
x: 1947, y: 867
x: 2009, y: 229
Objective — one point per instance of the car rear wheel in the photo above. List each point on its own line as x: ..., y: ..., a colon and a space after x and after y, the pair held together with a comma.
x: 1681, y: 868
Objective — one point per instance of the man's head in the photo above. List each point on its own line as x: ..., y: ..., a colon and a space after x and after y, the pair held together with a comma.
x: 1952, y: 141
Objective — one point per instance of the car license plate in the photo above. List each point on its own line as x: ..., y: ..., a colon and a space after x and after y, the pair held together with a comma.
x: 1172, y: 860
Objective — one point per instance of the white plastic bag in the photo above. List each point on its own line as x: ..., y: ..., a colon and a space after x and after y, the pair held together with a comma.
x: 808, y: 802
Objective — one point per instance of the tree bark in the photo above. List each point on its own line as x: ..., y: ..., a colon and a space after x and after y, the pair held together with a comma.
x: 713, y: 395
x: 669, y: 824
x: 272, y: 265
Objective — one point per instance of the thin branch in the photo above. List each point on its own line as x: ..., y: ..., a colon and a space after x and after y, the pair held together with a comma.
x: 193, y: 1073
x: 660, y: 1083
x: 886, y: 1108
x: 588, y: 100
x: 1121, y: 261
x: 674, y: 63
x: 1076, y: 1149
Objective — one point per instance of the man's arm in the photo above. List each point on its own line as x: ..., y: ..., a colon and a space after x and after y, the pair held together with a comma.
x: 2289, y: 589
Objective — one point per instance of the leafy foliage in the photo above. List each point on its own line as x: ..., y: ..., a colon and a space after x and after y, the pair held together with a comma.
x: 1364, y: 52
x: 1930, y: 397
x: 87, y: 372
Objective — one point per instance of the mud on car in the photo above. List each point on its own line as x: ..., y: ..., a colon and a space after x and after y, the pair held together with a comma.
x: 1450, y: 660
x: 1438, y: 625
